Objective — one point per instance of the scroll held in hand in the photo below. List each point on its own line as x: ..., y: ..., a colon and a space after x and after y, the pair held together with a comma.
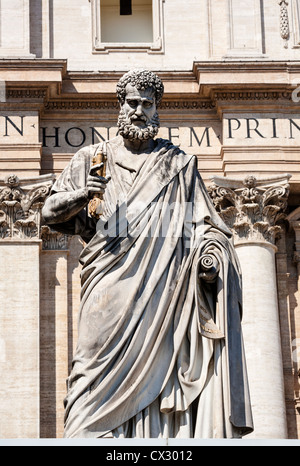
x: 209, y: 267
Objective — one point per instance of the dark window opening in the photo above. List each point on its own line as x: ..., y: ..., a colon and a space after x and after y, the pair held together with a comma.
x: 125, y: 7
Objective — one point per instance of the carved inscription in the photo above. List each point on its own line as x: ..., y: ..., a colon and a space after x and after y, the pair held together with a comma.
x: 205, y: 137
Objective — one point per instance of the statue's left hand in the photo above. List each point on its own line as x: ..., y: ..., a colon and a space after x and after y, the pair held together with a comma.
x: 209, y: 268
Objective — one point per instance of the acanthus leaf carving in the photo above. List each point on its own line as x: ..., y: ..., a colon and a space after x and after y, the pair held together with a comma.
x: 20, y: 206
x: 252, y: 209
x: 54, y: 241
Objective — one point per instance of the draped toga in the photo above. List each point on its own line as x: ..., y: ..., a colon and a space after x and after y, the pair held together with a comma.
x: 160, y: 351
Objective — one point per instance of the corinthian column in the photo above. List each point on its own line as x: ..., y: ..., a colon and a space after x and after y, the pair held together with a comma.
x: 254, y: 210
x: 20, y: 245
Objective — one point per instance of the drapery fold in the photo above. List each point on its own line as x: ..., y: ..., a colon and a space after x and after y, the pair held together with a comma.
x: 160, y: 352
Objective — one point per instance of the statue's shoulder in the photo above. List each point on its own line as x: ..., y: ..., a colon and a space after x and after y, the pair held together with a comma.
x: 166, y: 144
x: 86, y: 154
x: 168, y: 148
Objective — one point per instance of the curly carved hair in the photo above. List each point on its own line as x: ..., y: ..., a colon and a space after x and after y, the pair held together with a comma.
x: 141, y: 79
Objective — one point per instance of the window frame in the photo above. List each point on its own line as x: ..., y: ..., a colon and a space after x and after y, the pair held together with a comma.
x: 155, y: 47
x: 22, y: 47
x: 257, y: 51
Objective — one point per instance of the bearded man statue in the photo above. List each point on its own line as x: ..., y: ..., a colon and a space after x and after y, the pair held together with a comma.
x: 160, y: 348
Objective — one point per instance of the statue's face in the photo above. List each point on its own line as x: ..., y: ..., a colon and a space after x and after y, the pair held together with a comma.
x: 138, y: 117
x: 139, y: 106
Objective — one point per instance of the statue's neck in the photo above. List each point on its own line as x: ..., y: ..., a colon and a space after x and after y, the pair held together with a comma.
x: 139, y: 147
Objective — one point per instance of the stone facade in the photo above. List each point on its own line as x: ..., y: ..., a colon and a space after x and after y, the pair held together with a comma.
x: 232, y: 99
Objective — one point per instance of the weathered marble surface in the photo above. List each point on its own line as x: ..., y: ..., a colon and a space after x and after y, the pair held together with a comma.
x: 144, y: 363
x: 160, y: 348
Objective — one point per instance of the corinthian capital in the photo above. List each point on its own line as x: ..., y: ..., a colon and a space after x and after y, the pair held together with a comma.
x: 54, y: 241
x: 21, y: 201
x: 253, y: 209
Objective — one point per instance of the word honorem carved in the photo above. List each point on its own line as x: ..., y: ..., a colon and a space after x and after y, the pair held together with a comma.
x: 233, y: 128
x: 78, y: 137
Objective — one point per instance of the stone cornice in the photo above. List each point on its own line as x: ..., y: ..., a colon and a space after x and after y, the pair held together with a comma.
x: 247, y: 66
x: 247, y: 80
x: 35, y: 64
x: 114, y: 76
x: 210, y: 85
x: 200, y: 69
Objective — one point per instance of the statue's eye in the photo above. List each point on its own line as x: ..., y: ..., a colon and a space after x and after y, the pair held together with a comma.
x: 133, y: 103
x: 148, y: 104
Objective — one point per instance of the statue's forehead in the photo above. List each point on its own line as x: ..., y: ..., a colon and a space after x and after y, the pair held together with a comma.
x: 132, y: 91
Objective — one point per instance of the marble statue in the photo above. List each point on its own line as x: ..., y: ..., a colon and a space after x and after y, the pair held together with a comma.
x: 160, y: 348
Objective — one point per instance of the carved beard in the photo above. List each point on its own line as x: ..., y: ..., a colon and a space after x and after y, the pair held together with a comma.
x: 129, y: 131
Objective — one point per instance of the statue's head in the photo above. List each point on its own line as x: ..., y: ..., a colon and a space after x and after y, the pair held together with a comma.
x: 139, y: 92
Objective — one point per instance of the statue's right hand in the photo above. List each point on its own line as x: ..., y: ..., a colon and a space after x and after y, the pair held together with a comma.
x: 96, y: 184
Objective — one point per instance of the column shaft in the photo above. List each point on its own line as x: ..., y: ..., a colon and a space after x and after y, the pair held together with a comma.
x: 261, y: 331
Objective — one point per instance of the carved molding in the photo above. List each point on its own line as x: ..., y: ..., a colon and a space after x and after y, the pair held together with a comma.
x: 26, y: 93
x: 253, y: 209
x: 193, y: 104
x: 21, y: 202
x: 168, y: 104
x: 252, y: 95
x: 187, y: 105
x: 82, y: 105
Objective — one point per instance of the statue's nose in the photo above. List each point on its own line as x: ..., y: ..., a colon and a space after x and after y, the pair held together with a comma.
x: 139, y: 110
